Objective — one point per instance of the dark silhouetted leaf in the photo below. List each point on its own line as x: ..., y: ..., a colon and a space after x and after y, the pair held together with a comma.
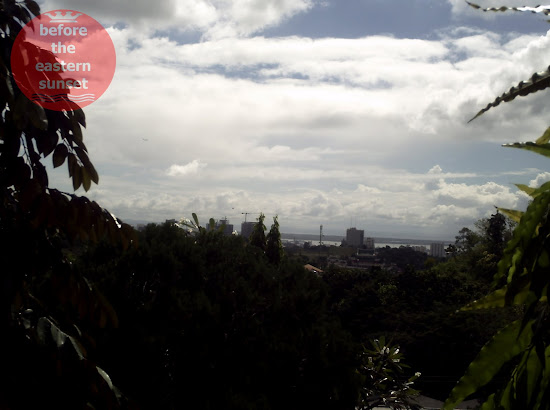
x: 38, y: 116
x: 59, y: 155
x: 80, y: 117
x: 77, y: 176
x: 86, y: 180
x: 537, y: 9
x: 33, y: 7
x: 538, y: 82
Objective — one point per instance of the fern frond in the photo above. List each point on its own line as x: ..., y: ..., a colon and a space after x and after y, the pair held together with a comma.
x: 538, y: 9
x: 537, y: 82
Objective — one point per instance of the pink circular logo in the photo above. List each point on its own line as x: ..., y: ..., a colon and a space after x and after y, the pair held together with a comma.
x: 63, y: 60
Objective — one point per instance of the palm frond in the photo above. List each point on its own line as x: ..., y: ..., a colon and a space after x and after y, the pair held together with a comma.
x: 538, y: 9
x: 537, y: 82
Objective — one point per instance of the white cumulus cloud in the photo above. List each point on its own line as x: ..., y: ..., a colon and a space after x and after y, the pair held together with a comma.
x: 539, y: 180
x: 191, y: 168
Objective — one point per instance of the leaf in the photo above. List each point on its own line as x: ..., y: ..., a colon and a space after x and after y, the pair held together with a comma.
x: 542, y: 189
x: 59, y: 155
x: 77, y: 132
x: 196, y: 219
x: 79, y: 116
x: 545, y: 138
x: 522, y: 250
x: 9, y: 87
x: 92, y: 172
x: 22, y: 172
x: 38, y: 116
x: 527, y: 189
x: 77, y: 176
x: 72, y: 163
x: 503, y: 347
x: 86, y: 180
x: 59, y: 337
x: 20, y: 112
x: 33, y: 7
x: 513, y: 214
x: 542, y: 149
x: 537, y: 82
x: 495, y: 299
x: 90, y: 169
x: 538, y: 9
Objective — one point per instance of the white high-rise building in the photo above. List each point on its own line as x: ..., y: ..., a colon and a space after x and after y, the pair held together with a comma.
x: 437, y: 250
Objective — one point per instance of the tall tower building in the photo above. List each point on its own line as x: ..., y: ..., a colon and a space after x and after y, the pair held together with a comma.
x: 227, y: 227
x: 437, y: 250
x: 246, y: 229
x: 369, y: 243
x: 354, y: 237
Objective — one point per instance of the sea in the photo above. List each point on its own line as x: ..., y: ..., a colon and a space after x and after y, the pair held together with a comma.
x: 336, y: 240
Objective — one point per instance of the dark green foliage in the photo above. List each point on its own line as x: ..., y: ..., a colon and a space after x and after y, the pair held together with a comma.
x: 402, y: 257
x: 214, y: 326
x: 257, y: 237
x: 496, y: 231
x: 274, y: 247
x: 515, y: 362
x: 416, y: 308
x: 386, y: 385
x: 50, y: 317
x: 466, y: 240
x: 523, y: 276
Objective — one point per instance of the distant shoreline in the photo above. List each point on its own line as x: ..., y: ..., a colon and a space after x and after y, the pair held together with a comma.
x: 314, y: 238
x: 338, y: 238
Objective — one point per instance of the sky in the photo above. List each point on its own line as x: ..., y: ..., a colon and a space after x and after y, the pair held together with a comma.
x: 324, y: 112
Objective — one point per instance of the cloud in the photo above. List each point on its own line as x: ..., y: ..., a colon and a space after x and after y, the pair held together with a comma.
x: 435, y: 170
x: 244, y: 17
x: 539, y: 180
x: 484, y: 195
x: 315, y: 130
x: 191, y: 168
x: 210, y: 18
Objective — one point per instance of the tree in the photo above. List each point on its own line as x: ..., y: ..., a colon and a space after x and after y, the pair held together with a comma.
x: 50, y: 316
x: 274, y: 247
x: 496, y: 231
x: 466, y: 240
x: 215, y: 327
x: 257, y: 237
x: 517, y: 359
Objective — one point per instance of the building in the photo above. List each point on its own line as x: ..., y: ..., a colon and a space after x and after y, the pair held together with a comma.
x: 247, y: 228
x: 354, y: 237
x: 369, y: 244
x: 437, y: 250
x: 227, y: 227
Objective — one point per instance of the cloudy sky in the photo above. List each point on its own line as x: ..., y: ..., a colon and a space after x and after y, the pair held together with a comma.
x: 332, y: 112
